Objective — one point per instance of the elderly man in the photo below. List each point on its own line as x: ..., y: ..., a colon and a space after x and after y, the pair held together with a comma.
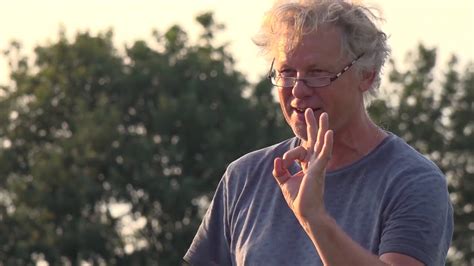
x: 342, y: 191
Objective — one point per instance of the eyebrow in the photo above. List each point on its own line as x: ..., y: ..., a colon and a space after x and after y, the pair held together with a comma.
x: 312, y: 67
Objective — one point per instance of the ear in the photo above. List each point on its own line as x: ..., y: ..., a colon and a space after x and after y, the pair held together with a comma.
x: 367, y: 80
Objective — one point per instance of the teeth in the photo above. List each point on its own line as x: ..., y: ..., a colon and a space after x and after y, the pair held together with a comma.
x: 302, y: 110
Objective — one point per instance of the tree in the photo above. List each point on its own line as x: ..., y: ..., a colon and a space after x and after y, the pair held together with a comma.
x: 54, y: 205
x: 436, y: 119
x: 112, y: 158
x: 96, y: 143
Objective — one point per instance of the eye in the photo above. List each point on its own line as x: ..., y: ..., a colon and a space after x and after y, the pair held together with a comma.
x: 318, y: 73
x: 287, y: 73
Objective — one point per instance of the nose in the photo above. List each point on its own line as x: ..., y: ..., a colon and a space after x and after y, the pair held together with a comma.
x: 300, y: 90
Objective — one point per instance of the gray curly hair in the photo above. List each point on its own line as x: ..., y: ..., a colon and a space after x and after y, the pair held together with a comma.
x: 292, y: 19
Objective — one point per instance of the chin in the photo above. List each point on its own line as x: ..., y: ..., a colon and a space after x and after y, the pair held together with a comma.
x: 297, y: 126
x: 300, y: 131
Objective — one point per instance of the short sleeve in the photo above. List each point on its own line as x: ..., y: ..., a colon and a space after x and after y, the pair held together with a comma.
x: 418, y: 221
x: 211, y: 243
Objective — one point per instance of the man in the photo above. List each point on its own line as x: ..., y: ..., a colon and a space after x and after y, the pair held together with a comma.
x: 342, y: 191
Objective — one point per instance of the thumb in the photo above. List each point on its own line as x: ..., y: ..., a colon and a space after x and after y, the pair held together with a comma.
x: 280, y: 172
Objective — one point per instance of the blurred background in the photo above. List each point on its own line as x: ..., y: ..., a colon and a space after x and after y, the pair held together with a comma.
x: 118, y: 118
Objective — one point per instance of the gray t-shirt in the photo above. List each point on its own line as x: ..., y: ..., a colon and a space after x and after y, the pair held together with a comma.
x: 392, y: 200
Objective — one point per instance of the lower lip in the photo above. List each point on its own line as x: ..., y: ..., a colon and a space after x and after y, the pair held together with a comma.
x: 300, y: 116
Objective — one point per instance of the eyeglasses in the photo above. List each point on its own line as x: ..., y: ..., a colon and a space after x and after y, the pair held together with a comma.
x: 312, y: 82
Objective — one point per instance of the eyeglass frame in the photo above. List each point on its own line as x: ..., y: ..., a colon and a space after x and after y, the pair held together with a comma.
x: 272, y: 72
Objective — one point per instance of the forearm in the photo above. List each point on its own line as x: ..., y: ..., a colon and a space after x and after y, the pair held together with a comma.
x: 334, y: 246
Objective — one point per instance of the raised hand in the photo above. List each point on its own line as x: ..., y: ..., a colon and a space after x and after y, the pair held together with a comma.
x: 304, y: 190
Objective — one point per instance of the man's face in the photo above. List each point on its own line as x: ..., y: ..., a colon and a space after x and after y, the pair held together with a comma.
x: 319, y: 53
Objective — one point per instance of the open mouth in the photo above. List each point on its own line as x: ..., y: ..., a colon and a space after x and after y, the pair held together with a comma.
x: 302, y: 110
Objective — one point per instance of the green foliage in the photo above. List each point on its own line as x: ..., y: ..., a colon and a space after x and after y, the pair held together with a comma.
x: 87, y: 132
x: 111, y: 158
x: 436, y: 119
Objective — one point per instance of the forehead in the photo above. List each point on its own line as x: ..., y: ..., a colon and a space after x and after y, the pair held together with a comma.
x: 323, y: 46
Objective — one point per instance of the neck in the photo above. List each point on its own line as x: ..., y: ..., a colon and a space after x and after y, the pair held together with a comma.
x: 355, y: 141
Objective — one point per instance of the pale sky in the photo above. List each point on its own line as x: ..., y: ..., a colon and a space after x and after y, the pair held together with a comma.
x: 448, y: 25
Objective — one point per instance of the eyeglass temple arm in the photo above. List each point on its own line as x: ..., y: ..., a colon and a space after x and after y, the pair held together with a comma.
x: 269, y: 75
x: 346, y: 68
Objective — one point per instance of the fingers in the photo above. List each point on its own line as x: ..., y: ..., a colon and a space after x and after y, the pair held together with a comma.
x: 315, y: 176
x: 320, y: 144
x: 280, y: 172
x: 311, y: 130
x: 323, y: 128
x: 280, y: 165
x: 296, y: 154
x: 326, y: 152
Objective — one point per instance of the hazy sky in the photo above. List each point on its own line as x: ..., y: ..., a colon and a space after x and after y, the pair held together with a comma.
x: 448, y: 25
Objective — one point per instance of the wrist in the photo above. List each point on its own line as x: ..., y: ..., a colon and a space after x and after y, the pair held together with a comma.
x: 316, y: 222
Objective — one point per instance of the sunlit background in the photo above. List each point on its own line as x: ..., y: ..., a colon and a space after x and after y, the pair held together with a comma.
x: 447, y: 25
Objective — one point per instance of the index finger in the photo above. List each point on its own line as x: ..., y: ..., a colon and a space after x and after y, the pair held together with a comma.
x: 311, y: 129
x: 295, y: 154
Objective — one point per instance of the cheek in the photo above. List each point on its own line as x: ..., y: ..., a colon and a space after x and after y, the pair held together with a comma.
x: 332, y: 102
x: 340, y: 103
x: 284, y: 98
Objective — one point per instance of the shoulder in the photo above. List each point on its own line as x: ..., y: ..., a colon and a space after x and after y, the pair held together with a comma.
x: 406, y: 177
x: 415, y: 183
x: 259, y: 158
x: 417, y: 213
x: 404, y: 163
x: 253, y: 171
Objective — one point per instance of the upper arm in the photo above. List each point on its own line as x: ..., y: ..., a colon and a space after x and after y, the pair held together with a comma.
x: 419, y: 223
x: 396, y: 259
x: 211, y: 242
